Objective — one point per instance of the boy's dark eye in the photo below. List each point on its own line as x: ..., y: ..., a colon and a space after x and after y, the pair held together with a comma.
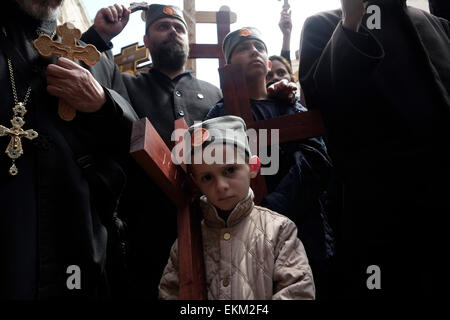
x: 240, y: 49
x: 230, y: 170
x: 163, y: 26
x: 206, y: 178
x: 179, y: 28
x: 259, y: 47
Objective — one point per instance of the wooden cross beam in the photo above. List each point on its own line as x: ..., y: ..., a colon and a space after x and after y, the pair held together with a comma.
x: 130, y: 57
x: 291, y: 127
x: 150, y: 151
x: 223, y: 18
x: 67, y: 48
x: 213, y: 51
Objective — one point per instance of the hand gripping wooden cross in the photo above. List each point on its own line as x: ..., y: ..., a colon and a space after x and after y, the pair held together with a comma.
x: 67, y: 48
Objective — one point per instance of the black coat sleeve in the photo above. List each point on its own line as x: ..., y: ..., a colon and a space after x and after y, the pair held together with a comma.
x: 92, y: 37
x: 440, y: 8
x: 109, y: 128
x: 446, y: 25
x: 335, y: 60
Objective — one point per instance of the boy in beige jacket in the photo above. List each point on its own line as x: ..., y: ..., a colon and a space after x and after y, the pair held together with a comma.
x: 250, y: 252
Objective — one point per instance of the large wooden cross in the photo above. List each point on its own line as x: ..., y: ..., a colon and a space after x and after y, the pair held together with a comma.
x: 223, y: 18
x: 150, y: 151
x: 291, y: 127
x: 67, y: 48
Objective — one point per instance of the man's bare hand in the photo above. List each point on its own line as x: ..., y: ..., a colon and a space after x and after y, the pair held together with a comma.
x: 352, y: 13
x: 283, y: 90
x: 110, y: 21
x: 286, y: 21
x: 74, y: 84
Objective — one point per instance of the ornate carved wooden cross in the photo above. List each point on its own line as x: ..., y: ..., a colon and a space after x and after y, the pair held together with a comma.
x: 223, y: 18
x: 67, y: 48
x: 130, y: 57
x: 291, y: 127
x: 150, y: 151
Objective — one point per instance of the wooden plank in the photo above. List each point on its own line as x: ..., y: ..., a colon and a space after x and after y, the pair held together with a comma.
x: 192, y: 272
x: 191, y: 267
x: 297, y: 126
x: 235, y: 92
x: 237, y: 102
x: 150, y: 151
x: 210, y: 16
x: 189, y: 10
x: 223, y: 28
x: 204, y: 51
x: 152, y: 154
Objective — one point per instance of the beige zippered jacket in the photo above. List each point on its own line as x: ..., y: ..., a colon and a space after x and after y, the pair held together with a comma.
x: 255, y: 255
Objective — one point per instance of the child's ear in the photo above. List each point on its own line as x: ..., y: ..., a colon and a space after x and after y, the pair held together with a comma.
x: 269, y: 65
x: 255, y: 166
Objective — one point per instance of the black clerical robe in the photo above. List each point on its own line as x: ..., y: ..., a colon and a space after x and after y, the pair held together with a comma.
x: 49, y: 217
x: 440, y: 8
x: 384, y: 95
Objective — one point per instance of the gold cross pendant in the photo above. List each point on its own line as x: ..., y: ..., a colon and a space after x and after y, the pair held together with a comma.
x: 16, y: 133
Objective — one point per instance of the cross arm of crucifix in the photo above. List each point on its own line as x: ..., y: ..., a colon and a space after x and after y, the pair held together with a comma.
x: 16, y: 133
x: 294, y: 127
x: 291, y: 127
x: 3, y: 131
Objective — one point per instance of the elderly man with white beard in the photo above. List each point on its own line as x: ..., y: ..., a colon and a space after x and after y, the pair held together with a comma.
x: 54, y: 215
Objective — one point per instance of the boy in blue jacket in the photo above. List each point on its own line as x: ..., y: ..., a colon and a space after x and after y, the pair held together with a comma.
x: 298, y: 190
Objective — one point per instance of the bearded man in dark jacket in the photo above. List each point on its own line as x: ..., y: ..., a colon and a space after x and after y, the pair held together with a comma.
x: 53, y: 225
x: 383, y: 89
x: 167, y: 92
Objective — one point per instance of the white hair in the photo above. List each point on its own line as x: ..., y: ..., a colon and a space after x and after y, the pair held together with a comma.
x: 42, y: 9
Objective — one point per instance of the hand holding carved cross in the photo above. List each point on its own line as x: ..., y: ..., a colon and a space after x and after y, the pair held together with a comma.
x: 68, y: 48
x: 75, y: 85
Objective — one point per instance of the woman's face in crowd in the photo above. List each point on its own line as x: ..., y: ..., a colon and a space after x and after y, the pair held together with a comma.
x: 277, y: 72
